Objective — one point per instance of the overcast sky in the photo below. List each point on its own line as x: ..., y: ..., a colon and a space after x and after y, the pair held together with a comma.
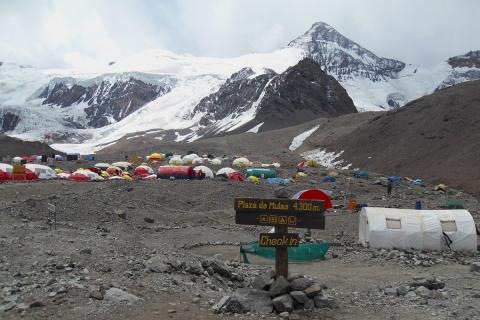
x: 59, y: 33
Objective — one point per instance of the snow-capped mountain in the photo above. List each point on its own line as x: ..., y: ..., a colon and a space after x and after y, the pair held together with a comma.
x: 200, y: 96
x: 343, y: 58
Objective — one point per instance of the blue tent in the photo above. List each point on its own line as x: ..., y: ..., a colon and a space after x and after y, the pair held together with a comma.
x: 361, y: 174
x: 89, y: 157
x: 278, y: 180
x: 394, y: 179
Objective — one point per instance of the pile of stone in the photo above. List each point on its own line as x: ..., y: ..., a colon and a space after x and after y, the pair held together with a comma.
x: 268, y: 293
x: 419, y: 290
x: 423, y: 258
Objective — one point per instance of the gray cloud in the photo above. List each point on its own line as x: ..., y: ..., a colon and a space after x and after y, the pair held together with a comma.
x: 52, y: 33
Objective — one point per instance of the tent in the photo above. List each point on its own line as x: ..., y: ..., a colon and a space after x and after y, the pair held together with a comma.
x: 253, y: 179
x: 43, y: 172
x: 440, y: 187
x: 16, y: 160
x: 418, y: 229
x: 156, y: 157
x: 90, y: 157
x: 188, y: 159
x: 176, y: 160
x: 278, y: 180
x: 4, y: 176
x: 95, y: 169
x: 58, y: 158
x: 125, y: 166
x: 85, y: 175
x: 114, y: 171
x: 236, y: 176
x: 263, y: 173
x: 216, y: 162
x: 102, y: 166
x: 361, y: 174
x: 242, y: 162
x: 197, y: 161
x: 6, y: 168
x: 394, y: 179
x: 73, y: 156
x: 314, y: 194
x: 225, y: 171
x: 206, y: 170
x: 143, y: 171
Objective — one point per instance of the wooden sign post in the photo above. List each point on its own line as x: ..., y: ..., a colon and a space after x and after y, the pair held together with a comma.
x: 280, y: 213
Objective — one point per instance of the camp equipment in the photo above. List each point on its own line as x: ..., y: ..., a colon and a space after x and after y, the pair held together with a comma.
x: 177, y: 172
x: 263, y: 173
x: 304, y: 251
x: 390, y: 228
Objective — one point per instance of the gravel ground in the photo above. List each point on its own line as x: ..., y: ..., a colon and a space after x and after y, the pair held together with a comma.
x: 173, y: 245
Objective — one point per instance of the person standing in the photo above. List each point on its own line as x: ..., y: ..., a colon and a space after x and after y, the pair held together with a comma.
x: 389, y: 187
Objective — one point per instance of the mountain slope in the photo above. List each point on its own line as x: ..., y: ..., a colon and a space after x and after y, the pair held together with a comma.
x: 15, y: 147
x: 434, y: 138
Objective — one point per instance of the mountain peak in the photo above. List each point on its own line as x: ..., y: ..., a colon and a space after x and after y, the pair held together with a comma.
x: 342, y: 57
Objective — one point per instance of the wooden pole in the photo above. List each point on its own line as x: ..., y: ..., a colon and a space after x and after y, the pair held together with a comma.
x: 281, y: 259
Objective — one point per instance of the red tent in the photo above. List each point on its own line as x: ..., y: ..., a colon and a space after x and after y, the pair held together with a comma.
x: 4, y: 176
x: 236, y: 176
x: 78, y: 177
x: 314, y: 194
x: 96, y: 170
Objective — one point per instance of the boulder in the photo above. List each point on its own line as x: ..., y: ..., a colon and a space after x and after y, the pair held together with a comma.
x: 118, y: 296
x: 157, y: 264
x: 279, y: 286
x: 220, y: 268
x: 323, y: 301
x: 246, y: 300
x: 283, y: 303
x: 313, y: 290
x: 299, y: 296
x: 393, y: 292
x: 263, y: 281
x: 300, y: 284
x: 422, y: 292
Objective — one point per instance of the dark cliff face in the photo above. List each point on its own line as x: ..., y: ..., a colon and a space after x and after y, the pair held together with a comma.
x: 302, y: 93
x: 235, y: 96
x: 107, y: 101
x: 9, y: 121
x: 342, y: 57
x: 469, y: 60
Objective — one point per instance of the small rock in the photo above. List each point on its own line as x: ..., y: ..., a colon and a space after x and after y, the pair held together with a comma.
x: 324, y: 301
x: 284, y: 315
x: 96, y: 294
x: 171, y: 311
x: 299, y: 296
x: 148, y: 220
x: 115, y: 295
x: 36, y: 304
x: 422, y: 292
x: 263, y: 281
x: 393, y: 292
x: 122, y: 214
x: 86, y: 251
x: 249, y: 300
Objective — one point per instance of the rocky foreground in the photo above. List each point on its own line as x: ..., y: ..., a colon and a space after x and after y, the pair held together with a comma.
x: 170, y: 249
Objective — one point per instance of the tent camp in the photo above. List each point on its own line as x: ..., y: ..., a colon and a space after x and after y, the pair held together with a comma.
x: 207, y: 171
x: 85, y: 175
x: 418, y: 229
x: 43, y: 172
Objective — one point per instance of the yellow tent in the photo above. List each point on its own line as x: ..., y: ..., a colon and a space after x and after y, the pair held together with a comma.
x: 440, y: 187
x: 156, y: 157
x: 136, y: 159
x: 253, y: 179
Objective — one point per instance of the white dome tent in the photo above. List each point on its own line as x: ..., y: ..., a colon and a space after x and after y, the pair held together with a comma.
x: 389, y: 228
x: 216, y: 162
x: 206, y: 170
x: 176, y: 160
x: 241, y: 162
x: 43, y: 172
x: 225, y: 171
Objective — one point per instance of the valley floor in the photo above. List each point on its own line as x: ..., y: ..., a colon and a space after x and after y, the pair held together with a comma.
x: 103, y: 240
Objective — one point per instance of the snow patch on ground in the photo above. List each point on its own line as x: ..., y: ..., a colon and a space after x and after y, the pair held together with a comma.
x: 255, y: 129
x: 326, y: 159
x: 298, y: 140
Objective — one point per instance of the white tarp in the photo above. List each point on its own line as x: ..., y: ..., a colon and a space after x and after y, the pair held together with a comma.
x: 390, y: 228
